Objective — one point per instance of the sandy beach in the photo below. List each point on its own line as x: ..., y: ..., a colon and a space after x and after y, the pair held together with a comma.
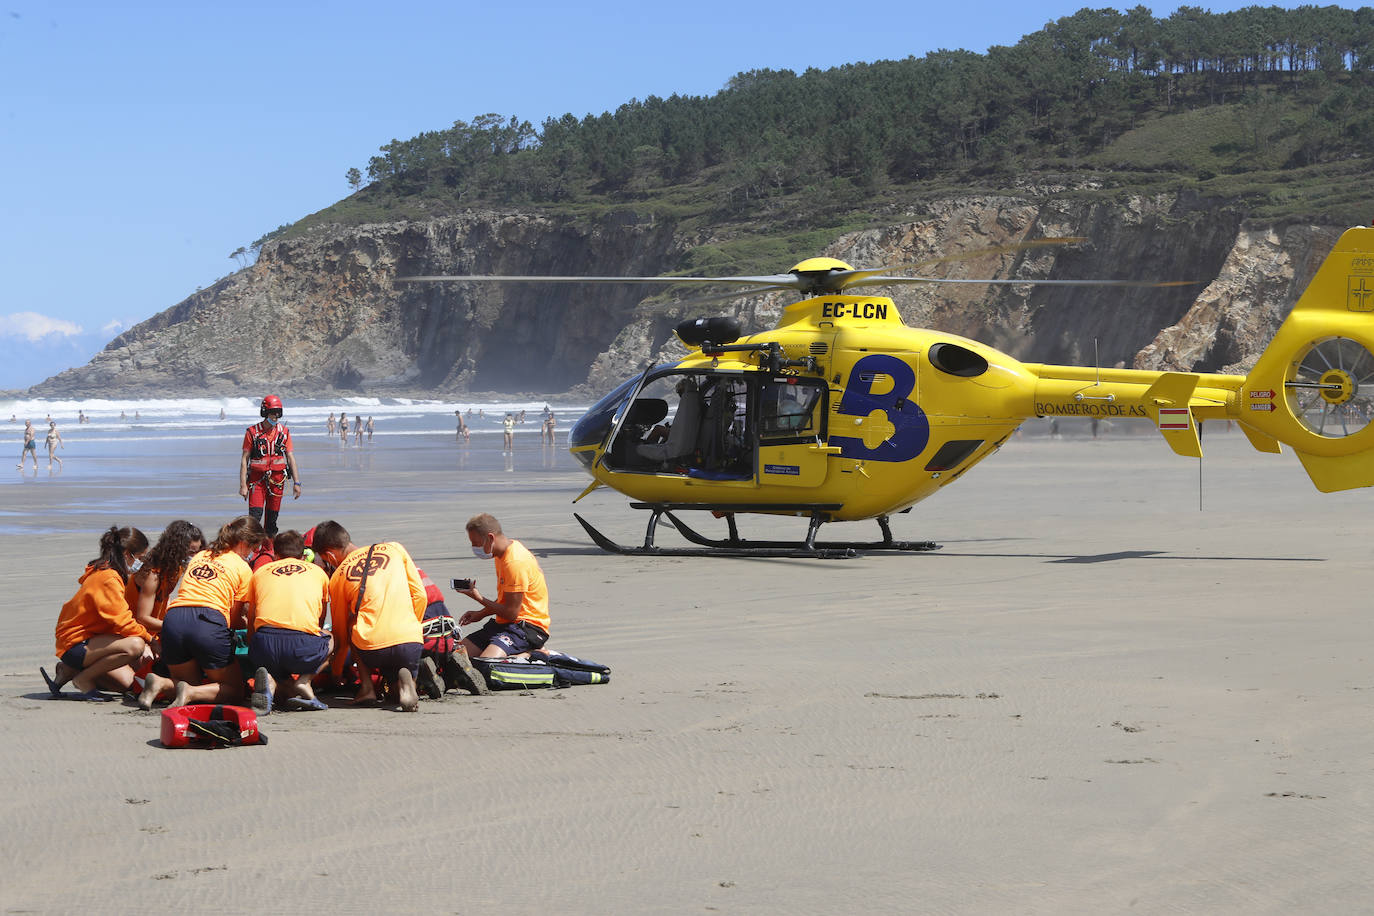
x: 1095, y: 698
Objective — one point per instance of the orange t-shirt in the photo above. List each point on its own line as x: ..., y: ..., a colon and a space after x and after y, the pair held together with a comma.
x: 288, y: 593
x: 393, y: 601
x: 214, y: 582
x: 518, y: 571
x: 97, y: 607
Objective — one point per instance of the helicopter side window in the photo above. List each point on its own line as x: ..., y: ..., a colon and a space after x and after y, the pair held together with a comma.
x: 661, y: 427
x: 675, y: 442
x: 787, y: 410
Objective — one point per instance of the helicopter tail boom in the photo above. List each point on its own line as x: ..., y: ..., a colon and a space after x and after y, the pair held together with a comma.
x: 1312, y: 388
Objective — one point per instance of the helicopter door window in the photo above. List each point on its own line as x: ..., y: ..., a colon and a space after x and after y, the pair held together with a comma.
x: 788, y: 410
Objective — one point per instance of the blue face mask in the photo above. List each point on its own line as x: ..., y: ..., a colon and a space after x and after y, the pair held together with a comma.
x: 272, y: 421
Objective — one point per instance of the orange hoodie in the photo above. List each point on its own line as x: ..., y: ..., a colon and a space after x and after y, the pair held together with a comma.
x: 97, y: 607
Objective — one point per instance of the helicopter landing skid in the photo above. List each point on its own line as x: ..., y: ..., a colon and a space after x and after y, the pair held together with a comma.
x: 735, y: 546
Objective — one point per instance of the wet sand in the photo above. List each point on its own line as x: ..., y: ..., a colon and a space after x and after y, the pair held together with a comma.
x: 1095, y: 698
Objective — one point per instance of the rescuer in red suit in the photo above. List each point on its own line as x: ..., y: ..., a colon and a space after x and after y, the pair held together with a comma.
x: 267, y: 462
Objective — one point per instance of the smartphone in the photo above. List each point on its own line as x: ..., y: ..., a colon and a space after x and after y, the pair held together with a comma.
x: 461, y: 584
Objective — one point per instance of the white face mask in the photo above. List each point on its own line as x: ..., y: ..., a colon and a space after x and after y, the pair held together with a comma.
x: 481, y: 554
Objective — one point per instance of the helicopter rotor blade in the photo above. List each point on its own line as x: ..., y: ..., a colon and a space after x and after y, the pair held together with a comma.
x: 862, y: 277
x: 903, y: 281
x: 779, y: 281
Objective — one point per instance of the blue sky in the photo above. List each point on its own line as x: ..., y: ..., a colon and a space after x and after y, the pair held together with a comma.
x: 142, y: 143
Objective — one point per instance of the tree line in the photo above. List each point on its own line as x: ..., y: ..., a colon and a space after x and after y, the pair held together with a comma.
x: 1063, y: 92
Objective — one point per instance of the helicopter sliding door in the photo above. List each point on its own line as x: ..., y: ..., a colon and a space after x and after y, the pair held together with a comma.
x: 791, y: 429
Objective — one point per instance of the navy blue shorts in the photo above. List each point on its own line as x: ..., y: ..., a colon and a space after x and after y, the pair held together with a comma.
x: 75, y: 657
x: 283, y: 651
x: 514, y: 638
x: 197, y: 634
x: 389, y: 661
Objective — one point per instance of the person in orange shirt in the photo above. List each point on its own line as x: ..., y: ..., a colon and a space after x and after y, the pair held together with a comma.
x: 285, y: 609
x: 98, y: 641
x: 377, y: 617
x: 196, y: 640
x: 151, y: 587
x: 520, y: 613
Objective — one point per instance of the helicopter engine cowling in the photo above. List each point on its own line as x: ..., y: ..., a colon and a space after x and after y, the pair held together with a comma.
x: 697, y: 332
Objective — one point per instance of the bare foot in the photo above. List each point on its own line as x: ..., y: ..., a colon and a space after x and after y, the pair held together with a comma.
x: 182, y: 697
x: 406, y: 693
x: 153, y: 687
x: 364, y: 696
x: 63, y: 673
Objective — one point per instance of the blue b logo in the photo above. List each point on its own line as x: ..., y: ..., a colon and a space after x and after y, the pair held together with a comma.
x: 911, y: 427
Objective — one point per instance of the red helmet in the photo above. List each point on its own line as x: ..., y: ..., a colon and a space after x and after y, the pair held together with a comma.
x: 271, y: 402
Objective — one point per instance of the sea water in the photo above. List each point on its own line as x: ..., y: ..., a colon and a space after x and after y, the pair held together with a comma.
x: 149, y: 454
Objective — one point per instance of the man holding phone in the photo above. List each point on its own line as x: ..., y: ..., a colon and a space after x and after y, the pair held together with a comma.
x: 520, y: 613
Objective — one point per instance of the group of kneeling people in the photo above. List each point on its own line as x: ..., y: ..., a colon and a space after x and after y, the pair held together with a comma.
x: 385, y: 617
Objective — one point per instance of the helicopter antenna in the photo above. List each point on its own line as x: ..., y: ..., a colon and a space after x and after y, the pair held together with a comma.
x: 1097, y: 368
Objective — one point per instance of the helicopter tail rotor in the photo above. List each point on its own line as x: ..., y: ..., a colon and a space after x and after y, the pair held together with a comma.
x: 1313, y: 387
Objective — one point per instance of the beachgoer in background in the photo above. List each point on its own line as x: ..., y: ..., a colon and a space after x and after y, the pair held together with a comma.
x: 285, y: 610
x: 54, y: 439
x: 80, y: 417
x: 343, y: 427
x: 329, y: 425
x: 358, y: 430
x: 149, y: 590
x: 376, y: 603
x: 369, y: 428
x: 266, y: 463
x: 197, y: 642
x: 98, y: 641
x: 521, y: 610
x: 30, y: 445
x: 508, y: 426
x: 221, y: 413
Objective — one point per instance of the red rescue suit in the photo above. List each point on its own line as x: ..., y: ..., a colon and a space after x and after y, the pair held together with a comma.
x: 267, y: 447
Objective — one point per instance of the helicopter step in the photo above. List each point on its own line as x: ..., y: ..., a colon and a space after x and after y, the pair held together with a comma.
x: 735, y: 546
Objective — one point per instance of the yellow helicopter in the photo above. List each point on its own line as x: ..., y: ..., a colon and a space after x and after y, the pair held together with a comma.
x: 843, y: 413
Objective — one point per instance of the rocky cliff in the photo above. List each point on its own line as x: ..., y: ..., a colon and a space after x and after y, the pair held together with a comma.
x: 323, y: 314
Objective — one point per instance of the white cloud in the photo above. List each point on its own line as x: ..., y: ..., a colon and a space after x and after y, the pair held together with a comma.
x: 34, y: 327
x: 113, y: 328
